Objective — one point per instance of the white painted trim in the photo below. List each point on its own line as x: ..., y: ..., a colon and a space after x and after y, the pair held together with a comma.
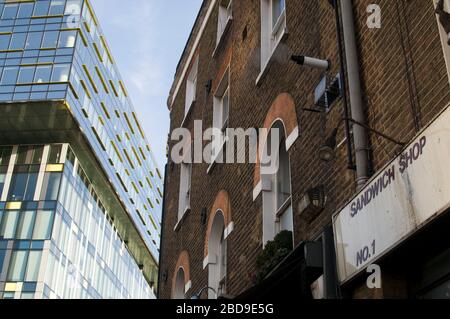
x: 205, y: 262
x: 188, y: 286
x: 9, y: 173
x: 194, y: 48
x: 64, y: 150
x: 290, y: 140
x: 228, y: 230
x: 257, y: 190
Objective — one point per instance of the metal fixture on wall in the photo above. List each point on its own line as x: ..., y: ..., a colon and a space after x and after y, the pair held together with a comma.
x: 327, y: 151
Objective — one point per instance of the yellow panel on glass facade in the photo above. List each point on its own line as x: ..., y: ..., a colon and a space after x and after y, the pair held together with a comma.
x: 54, y: 168
x: 11, y: 287
x: 13, y: 205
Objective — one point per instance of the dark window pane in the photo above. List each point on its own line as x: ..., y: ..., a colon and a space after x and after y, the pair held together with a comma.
x: 17, y: 266
x: 23, y: 186
x: 2, y: 258
x: 18, y: 187
x: 31, y: 186
x: 5, y: 155
x: 37, y: 155
x: 22, y: 154
x: 25, y: 10
x: 55, y: 154
x: 2, y: 182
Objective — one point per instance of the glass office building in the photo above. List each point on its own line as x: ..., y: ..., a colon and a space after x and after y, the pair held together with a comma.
x: 80, y: 193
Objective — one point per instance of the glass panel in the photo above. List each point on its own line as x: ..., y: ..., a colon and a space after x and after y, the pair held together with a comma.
x: 9, y: 75
x: 73, y: 7
x: 18, y: 41
x: 9, y: 223
x: 2, y: 258
x: 34, y: 40
x: 5, y: 155
x: 34, y: 262
x: 67, y: 39
x: 37, y: 155
x: 26, y: 74
x: 22, y: 153
x: 50, y: 39
x: 25, y: 226
x: 41, y: 8
x: 54, y: 154
x: 57, y: 7
x: 43, y: 227
x: 10, y: 11
x: 51, y: 187
x: 4, y: 41
x: 23, y: 186
x: 26, y: 10
x: 17, y: 266
x: 61, y: 73
x: 2, y: 182
x: 43, y: 74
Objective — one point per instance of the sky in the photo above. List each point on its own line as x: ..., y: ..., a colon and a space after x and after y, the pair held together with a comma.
x: 147, y: 38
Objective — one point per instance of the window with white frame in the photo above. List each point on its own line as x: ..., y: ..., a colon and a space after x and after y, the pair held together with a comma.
x: 185, y: 190
x: 225, y: 17
x: 277, y: 194
x: 191, y: 86
x: 221, y: 112
x: 273, y: 27
x: 217, y: 254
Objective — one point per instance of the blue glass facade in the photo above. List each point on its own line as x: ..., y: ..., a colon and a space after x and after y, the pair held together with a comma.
x: 55, y: 51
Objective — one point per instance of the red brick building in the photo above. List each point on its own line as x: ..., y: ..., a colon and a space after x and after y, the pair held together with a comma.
x: 391, y: 58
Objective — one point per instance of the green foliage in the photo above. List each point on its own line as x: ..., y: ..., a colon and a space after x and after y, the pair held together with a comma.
x: 274, y: 252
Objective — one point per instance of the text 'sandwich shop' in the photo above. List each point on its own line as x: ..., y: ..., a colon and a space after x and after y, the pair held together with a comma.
x: 400, y: 221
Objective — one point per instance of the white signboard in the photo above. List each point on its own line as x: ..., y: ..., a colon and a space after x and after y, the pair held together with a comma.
x: 409, y: 192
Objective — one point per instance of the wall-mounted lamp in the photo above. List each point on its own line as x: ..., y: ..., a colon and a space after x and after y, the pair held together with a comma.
x: 311, y: 62
x: 327, y: 151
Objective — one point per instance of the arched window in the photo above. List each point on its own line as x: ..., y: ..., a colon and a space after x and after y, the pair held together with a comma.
x: 276, y: 181
x: 180, y: 286
x: 217, y: 255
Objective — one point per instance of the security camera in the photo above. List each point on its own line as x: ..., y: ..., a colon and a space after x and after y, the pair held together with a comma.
x: 311, y: 62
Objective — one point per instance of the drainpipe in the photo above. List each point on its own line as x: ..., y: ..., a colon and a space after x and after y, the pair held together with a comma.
x: 360, y: 135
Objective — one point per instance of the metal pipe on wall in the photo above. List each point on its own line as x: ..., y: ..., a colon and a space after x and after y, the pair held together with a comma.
x: 360, y: 135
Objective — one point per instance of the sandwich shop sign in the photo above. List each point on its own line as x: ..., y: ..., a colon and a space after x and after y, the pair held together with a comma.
x: 408, y: 193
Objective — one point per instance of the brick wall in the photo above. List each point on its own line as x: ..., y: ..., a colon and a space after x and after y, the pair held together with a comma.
x: 405, y: 85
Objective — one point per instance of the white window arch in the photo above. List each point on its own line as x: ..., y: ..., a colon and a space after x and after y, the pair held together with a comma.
x: 217, y: 255
x: 276, y: 184
x: 180, y: 287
